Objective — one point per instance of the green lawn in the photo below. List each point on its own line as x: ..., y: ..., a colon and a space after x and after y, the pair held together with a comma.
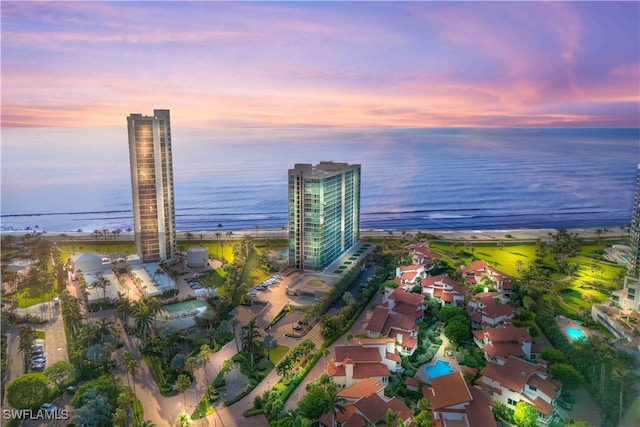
x: 595, y: 277
x: 503, y: 258
x: 278, y: 353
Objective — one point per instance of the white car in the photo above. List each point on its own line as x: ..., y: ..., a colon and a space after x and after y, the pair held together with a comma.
x: 48, y: 407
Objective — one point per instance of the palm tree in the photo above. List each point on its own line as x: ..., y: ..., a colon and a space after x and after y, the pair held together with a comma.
x: 124, y: 360
x: 183, y: 382
x: 334, y: 405
x: 219, y: 234
x: 124, y: 306
x: 390, y: 419
x: 132, y: 369
x: 102, y: 283
x: 625, y: 377
x: 192, y: 365
x: 143, y: 317
x: 183, y: 420
x: 250, y: 335
x: 205, y: 356
x: 104, y: 327
x: 74, y: 316
x: 27, y: 335
x: 156, y: 306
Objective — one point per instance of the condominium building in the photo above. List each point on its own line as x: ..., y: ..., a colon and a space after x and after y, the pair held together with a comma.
x: 324, y: 213
x: 152, y: 186
x: 635, y: 229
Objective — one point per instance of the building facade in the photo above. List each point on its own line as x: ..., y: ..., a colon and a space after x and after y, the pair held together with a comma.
x: 324, y: 213
x: 635, y: 229
x: 152, y: 186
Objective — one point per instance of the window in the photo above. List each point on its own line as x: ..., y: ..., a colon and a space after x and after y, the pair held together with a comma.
x: 533, y: 388
x: 512, y: 402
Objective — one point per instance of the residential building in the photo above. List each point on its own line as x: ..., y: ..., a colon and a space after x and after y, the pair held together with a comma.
x: 487, y: 309
x: 500, y: 343
x: 324, y: 213
x: 518, y: 380
x: 475, y: 274
x: 152, y: 186
x: 365, y: 405
x: 397, y: 318
x: 635, y: 229
x: 628, y: 298
x: 454, y: 403
x: 370, y: 358
x: 443, y: 288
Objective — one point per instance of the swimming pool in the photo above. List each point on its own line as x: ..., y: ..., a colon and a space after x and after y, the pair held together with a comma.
x: 439, y: 369
x: 575, y: 333
x: 185, y: 306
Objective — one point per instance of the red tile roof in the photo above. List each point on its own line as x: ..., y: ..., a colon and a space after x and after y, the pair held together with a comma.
x: 357, y: 353
x: 495, y: 310
x: 374, y: 408
x: 378, y: 319
x: 515, y: 373
x: 503, y: 350
x: 400, y: 295
x: 368, y: 370
x: 407, y: 340
x: 509, y: 333
x: 447, y: 390
x: 361, y: 389
x: 479, y: 410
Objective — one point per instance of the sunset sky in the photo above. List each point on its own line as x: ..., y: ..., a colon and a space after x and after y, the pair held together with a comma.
x: 321, y: 64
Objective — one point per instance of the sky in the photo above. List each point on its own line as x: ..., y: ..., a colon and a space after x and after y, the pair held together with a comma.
x: 321, y: 64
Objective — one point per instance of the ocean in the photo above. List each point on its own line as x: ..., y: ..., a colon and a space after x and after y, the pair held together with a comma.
x: 63, y: 180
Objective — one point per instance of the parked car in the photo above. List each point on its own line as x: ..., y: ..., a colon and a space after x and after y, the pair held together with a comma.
x: 39, y: 366
x: 37, y: 347
x: 48, y: 407
x: 72, y: 389
x: 261, y: 288
x: 36, y: 353
x: 196, y: 286
x: 297, y: 328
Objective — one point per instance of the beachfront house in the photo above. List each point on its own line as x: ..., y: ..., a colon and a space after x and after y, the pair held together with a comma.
x: 518, y: 380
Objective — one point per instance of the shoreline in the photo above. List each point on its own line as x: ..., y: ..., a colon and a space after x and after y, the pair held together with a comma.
x: 521, y: 234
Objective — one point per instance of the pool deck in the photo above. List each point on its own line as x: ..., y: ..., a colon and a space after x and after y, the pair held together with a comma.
x: 421, y: 374
x: 566, y: 322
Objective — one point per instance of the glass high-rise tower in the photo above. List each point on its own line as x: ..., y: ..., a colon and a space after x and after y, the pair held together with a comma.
x: 152, y: 186
x: 324, y: 213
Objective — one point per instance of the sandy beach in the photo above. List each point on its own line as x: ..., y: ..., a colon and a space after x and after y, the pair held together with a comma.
x: 532, y: 234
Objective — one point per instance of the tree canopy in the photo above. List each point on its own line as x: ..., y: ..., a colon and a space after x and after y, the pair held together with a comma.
x: 525, y: 415
x: 28, y: 391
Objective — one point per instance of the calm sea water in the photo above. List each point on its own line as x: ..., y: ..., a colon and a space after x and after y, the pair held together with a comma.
x: 75, y: 179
